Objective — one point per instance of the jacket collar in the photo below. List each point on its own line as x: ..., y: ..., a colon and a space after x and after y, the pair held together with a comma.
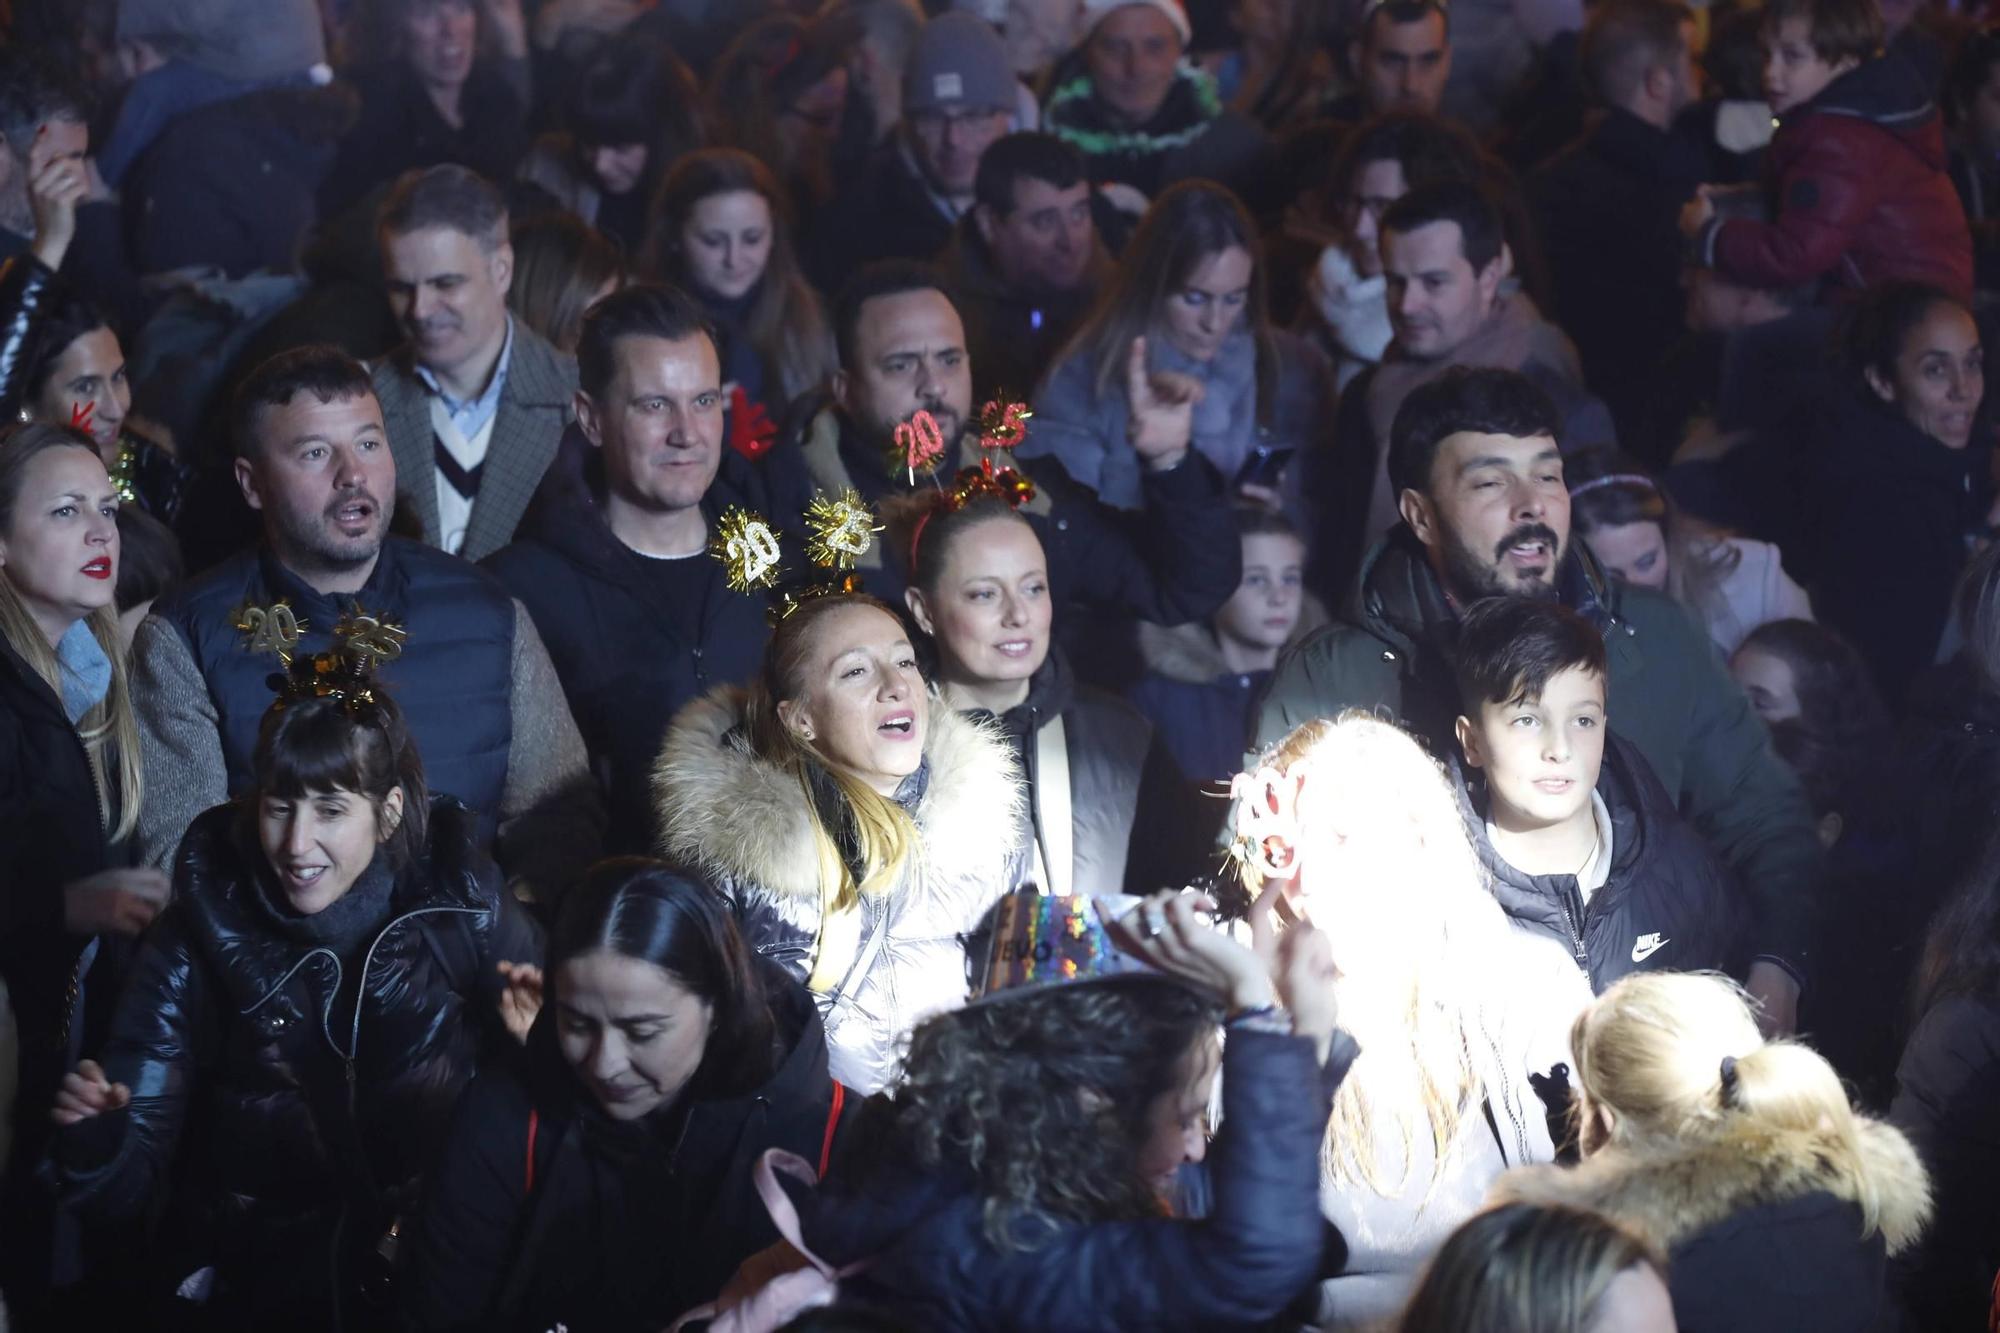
x: 385, y: 593
x: 1671, y: 1191
x: 1642, y: 149
x: 1540, y: 898
x: 1404, y: 602
x: 1885, y: 91
x: 727, y: 811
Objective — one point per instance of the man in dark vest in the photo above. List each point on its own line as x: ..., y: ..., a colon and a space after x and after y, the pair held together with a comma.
x: 476, y: 401
x: 483, y: 702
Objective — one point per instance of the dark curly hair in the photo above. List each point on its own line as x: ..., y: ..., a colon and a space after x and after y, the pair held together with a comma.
x: 998, y: 1088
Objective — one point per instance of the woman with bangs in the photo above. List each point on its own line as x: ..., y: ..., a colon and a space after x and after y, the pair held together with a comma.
x: 299, y: 1021
x: 633, y: 112
x: 1462, y: 1018
x: 859, y: 829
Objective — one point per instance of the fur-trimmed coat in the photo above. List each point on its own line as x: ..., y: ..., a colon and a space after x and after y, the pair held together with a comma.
x: 1760, y: 1232
x: 748, y: 826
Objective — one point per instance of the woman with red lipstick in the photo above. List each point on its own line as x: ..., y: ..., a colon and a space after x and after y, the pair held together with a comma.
x: 859, y: 828
x: 668, y: 1058
x: 1106, y: 808
x: 70, y: 787
x: 284, y: 1060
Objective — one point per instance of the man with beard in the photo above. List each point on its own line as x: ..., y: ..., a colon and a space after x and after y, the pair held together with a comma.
x: 1452, y: 302
x: 475, y: 402
x: 483, y: 702
x: 1484, y: 513
x: 902, y: 350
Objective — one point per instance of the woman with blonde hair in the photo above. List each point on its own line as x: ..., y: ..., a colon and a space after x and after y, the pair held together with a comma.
x: 858, y: 828
x: 70, y: 788
x: 1741, y: 1159
x: 1524, y: 1268
x: 1462, y: 1017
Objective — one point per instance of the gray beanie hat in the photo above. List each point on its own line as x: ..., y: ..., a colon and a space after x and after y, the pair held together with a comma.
x: 958, y: 61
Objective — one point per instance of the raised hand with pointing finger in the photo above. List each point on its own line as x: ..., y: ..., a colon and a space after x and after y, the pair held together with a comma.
x: 1162, y: 410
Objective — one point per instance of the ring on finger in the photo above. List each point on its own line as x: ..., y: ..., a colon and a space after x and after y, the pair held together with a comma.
x: 1155, y: 920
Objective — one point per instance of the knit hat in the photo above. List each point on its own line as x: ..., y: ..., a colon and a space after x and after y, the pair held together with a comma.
x: 1096, y: 11
x: 958, y: 61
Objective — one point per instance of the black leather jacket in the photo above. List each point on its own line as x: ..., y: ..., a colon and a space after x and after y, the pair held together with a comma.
x: 304, y: 1106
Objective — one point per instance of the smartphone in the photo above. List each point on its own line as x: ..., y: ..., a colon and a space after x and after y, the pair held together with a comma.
x: 1264, y: 466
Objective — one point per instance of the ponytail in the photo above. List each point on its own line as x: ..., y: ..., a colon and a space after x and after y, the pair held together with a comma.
x: 1677, y: 1057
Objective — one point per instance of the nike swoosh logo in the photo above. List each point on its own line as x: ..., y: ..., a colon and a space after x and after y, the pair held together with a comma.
x: 1645, y: 948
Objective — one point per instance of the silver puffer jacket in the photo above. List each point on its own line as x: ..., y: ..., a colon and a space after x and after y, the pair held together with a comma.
x: 747, y: 825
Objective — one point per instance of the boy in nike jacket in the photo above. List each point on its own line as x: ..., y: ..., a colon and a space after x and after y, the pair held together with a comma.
x: 1578, y: 836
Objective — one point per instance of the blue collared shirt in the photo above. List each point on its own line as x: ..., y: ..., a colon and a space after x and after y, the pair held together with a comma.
x: 471, y: 415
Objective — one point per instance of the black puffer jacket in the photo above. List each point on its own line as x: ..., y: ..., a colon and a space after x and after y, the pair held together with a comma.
x: 624, y: 1226
x: 307, y: 1105
x: 1670, y: 905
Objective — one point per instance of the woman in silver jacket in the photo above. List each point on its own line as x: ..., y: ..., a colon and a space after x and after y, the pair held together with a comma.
x: 860, y: 831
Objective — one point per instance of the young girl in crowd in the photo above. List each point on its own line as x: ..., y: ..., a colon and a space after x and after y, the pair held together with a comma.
x: 1893, y: 467
x: 1740, y: 1159
x: 1521, y: 1268
x: 70, y: 788
x: 300, y: 1020
x: 1201, y: 679
x: 857, y: 826
x: 562, y: 266
x: 632, y: 113
x: 1100, y: 786
x: 1462, y: 1018
x: 60, y: 364
x: 1730, y: 584
x: 1013, y: 1180
x: 722, y: 230
x: 1189, y: 304
x: 605, y: 1179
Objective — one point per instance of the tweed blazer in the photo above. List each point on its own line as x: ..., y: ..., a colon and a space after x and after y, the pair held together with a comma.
x: 535, y: 406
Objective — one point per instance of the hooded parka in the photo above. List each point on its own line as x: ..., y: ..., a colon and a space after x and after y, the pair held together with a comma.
x: 749, y: 826
x: 1760, y: 1231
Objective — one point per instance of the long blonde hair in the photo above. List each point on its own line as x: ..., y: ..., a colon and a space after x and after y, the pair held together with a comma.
x: 855, y: 827
x: 109, y: 733
x: 1677, y: 1058
x: 1385, y: 867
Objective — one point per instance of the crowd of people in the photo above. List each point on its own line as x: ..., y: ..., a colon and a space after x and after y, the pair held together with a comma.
x: 1055, y: 664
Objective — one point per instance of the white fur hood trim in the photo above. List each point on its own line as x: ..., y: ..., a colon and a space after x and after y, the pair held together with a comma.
x: 729, y: 813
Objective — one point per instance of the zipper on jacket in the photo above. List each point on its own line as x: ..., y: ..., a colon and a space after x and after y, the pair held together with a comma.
x: 1573, y: 917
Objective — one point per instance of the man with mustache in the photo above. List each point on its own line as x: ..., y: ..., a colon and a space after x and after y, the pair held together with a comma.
x: 1451, y: 303
x: 475, y: 401
x: 473, y: 678
x: 901, y: 347
x: 1484, y: 512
